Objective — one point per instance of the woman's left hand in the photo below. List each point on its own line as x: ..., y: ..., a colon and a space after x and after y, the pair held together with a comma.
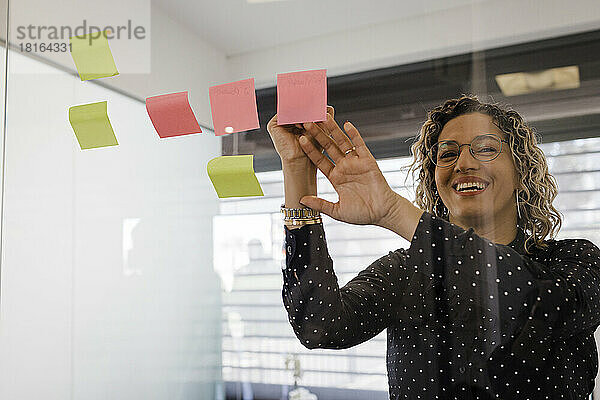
x: 365, y: 197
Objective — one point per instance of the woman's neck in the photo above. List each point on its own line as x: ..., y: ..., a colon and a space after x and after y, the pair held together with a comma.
x: 501, y: 232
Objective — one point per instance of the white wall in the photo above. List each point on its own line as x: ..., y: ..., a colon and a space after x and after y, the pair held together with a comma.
x: 418, y: 38
x: 108, y: 288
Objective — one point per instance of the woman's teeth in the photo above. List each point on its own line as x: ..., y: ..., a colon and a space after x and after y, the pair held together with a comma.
x: 470, y: 187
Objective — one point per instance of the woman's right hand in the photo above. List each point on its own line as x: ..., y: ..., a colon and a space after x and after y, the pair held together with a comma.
x: 285, y: 140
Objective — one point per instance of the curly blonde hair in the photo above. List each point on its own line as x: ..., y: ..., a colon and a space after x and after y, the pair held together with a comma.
x: 538, y: 187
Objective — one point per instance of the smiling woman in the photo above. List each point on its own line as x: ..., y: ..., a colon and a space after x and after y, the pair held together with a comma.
x: 481, y: 305
x: 522, y: 188
x: 489, y: 207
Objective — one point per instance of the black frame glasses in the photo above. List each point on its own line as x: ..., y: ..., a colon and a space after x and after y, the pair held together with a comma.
x: 433, y: 150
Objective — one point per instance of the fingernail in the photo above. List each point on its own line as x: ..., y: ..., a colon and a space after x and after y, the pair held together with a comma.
x: 303, y: 139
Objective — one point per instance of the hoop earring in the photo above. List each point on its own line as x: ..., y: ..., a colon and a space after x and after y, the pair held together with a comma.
x: 444, y: 211
x: 518, y: 209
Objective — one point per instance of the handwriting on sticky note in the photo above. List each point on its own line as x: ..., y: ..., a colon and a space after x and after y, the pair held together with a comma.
x: 302, y: 97
x: 233, y: 107
x: 92, y: 56
x: 233, y: 176
x: 172, y: 115
x: 91, y: 125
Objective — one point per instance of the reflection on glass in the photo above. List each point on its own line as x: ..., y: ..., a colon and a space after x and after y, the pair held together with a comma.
x: 118, y: 281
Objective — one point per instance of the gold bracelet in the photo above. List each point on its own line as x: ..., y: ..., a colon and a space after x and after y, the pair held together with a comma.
x: 300, y: 225
x: 301, y: 222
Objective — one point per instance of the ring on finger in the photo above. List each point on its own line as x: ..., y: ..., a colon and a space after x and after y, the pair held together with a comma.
x: 350, y: 150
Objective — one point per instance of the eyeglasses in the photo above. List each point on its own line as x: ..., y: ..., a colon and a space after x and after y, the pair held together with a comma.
x: 483, y: 147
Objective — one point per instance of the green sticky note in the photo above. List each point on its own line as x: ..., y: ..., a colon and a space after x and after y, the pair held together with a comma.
x: 233, y: 176
x: 92, y: 56
x: 92, y: 126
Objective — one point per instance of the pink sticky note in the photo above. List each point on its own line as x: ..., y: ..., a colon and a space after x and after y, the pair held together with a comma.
x: 172, y: 115
x: 233, y: 107
x: 302, y: 97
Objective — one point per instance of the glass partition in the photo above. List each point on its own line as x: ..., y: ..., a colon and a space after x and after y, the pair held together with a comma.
x: 124, y: 275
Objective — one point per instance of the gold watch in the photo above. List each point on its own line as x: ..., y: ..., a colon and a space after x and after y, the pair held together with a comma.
x: 297, y: 217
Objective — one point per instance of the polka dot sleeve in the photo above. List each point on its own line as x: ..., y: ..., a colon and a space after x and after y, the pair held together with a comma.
x: 324, y: 315
x: 571, y: 277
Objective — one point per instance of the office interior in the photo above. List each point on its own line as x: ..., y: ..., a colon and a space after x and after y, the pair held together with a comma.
x: 124, y: 276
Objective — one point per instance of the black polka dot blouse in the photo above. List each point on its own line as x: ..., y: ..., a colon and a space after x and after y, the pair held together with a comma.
x: 466, y: 318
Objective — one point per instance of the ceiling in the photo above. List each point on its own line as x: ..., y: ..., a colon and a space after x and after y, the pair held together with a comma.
x: 237, y: 26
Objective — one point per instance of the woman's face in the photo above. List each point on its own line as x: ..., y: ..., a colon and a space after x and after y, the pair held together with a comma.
x: 496, y: 203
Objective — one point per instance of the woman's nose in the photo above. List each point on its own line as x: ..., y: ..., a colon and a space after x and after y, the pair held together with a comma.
x: 465, y: 160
